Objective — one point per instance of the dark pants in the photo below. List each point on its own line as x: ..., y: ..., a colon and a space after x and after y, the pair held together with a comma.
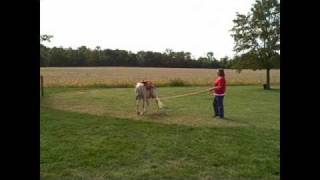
x: 218, y: 106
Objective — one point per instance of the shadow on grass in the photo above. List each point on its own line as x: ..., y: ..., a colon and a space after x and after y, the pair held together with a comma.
x: 228, y: 119
x: 275, y: 89
x: 157, y: 115
x: 225, y: 118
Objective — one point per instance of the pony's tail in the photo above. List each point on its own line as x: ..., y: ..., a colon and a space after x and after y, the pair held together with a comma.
x: 159, y: 103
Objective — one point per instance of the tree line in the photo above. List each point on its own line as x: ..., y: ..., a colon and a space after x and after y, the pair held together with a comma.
x: 86, y: 57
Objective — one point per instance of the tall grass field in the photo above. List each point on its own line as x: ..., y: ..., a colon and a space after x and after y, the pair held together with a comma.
x: 128, y: 76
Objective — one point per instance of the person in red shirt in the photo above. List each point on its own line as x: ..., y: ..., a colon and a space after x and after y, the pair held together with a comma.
x: 218, y: 91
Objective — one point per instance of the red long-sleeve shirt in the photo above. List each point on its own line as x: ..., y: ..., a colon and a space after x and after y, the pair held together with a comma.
x: 220, y: 84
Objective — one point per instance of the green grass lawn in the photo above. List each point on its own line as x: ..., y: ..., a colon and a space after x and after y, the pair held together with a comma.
x: 96, y: 134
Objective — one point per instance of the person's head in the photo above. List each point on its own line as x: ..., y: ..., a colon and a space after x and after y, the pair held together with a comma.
x: 220, y: 72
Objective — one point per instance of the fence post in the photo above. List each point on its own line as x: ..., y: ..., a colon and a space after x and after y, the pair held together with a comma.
x: 41, y: 84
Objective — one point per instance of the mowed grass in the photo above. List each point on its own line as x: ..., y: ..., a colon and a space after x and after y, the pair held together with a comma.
x: 128, y: 76
x: 107, y: 140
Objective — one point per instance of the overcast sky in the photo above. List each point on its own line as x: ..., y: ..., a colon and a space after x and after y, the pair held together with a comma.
x: 195, y: 26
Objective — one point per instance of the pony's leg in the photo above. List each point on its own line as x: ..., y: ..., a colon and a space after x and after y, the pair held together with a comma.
x: 148, y: 103
x: 149, y: 98
x: 137, y: 106
x: 145, y: 100
x: 143, y: 107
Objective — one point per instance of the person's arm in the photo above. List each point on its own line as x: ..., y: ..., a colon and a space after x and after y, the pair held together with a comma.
x: 211, y: 89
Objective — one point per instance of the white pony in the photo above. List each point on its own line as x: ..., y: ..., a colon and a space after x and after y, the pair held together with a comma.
x: 144, y: 92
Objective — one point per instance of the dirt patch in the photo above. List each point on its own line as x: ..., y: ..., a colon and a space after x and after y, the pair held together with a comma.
x: 97, y: 102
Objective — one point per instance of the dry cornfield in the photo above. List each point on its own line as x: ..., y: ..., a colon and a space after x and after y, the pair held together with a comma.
x: 128, y: 76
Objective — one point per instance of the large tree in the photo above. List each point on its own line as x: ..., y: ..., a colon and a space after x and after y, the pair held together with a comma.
x: 45, y: 37
x: 44, y: 50
x: 258, y: 34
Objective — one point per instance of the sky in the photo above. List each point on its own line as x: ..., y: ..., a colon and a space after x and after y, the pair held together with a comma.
x: 195, y: 26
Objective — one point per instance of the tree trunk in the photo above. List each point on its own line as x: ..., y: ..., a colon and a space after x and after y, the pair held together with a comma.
x: 41, y: 85
x: 267, y: 85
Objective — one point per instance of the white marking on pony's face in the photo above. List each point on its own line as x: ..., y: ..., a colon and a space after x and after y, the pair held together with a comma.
x: 139, y: 84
